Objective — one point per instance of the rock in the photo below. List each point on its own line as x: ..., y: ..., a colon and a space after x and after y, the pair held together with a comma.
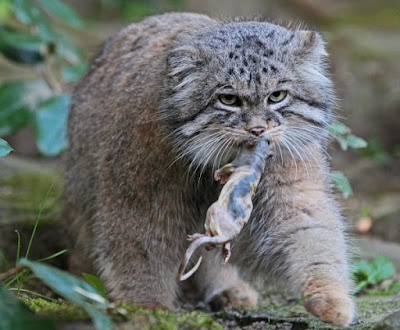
x: 390, y: 322
x: 368, y: 248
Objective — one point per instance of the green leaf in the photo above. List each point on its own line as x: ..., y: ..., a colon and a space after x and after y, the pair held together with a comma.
x: 74, y: 290
x: 59, y: 9
x: 96, y: 283
x: 5, y: 9
x: 19, y: 39
x: 356, y: 142
x: 73, y: 73
x: 29, y: 14
x: 382, y: 269
x: 17, y: 100
x: 394, y: 288
x: 21, y: 47
x: 376, y: 151
x: 50, y: 125
x: 342, y: 183
x: 338, y: 128
x: 24, y: 56
x: 5, y: 148
x: 343, y: 135
x: 342, y: 142
x: 15, y: 315
x: 365, y: 273
x: 25, y: 12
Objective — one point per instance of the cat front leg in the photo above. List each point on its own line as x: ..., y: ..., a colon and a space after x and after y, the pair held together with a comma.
x: 316, y: 263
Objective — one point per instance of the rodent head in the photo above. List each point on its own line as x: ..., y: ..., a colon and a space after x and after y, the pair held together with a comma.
x: 234, y: 82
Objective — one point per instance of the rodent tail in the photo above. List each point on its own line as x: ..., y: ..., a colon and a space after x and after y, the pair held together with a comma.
x: 189, y: 252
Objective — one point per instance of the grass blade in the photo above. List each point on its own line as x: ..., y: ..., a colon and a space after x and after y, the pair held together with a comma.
x: 37, y: 220
x: 53, y: 255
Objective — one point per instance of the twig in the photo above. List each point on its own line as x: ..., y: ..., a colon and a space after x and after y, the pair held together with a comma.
x: 49, y: 78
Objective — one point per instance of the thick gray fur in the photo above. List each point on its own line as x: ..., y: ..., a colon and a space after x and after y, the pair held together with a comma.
x: 147, y: 129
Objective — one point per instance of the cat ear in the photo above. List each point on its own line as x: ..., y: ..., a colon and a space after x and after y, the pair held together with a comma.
x: 310, y: 45
x: 181, y: 62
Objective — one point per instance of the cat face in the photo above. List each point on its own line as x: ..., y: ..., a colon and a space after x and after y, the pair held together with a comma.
x: 240, y: 82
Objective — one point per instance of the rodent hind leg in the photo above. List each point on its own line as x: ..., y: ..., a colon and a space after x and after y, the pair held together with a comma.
x: 220, y: 285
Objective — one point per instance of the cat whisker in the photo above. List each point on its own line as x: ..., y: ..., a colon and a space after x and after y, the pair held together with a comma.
x: 295, y: 145
x: 292, y: 156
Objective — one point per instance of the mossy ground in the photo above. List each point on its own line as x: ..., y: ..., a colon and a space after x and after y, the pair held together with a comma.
x: 372, y: 313
x: 132, y: 316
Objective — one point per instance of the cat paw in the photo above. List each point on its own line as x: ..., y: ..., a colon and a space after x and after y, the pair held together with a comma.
x: 241, y: 294
x: 330, y: 303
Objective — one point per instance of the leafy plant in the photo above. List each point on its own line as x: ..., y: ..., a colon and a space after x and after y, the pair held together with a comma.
x: 346, y: 139
x: 74, y: 290
x: 342, y: 183
x: 393, y: 288
x: 20, y: 276
x: 15, y: 315
x: 30, y: 35
x: 5, y: 148
x: 96, y: 283
x: 89, y: 295
x: 369, y: 273
x: 375, y: 151
x: 343, y: 136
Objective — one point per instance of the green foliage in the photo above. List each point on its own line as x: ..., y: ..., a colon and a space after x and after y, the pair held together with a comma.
x: 341, y: 182
x: 393, y: 288
x: 68, y: 286
x: 74, y: 290
x: 15, y: 315
x: 375, y: 151
x: 96, y: 283
x: 343, y: 136
x: 5, y: 148
x: 21, y: 46
x: 58, y: 9
x: 18, y: 100
x: 20, y: 276
x: 368, y: 273
x: 136, y: 10
x: 52, y: 113
x: 5, y: 9
x: 30, y: 35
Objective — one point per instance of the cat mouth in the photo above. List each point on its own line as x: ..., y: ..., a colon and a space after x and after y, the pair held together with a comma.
x: 252, y: 140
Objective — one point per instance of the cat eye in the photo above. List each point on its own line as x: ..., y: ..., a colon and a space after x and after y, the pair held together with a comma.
x: 229, y: 99
x: 277, y: 96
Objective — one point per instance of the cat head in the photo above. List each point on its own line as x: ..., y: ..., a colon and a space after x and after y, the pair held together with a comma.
x: 238, y: 82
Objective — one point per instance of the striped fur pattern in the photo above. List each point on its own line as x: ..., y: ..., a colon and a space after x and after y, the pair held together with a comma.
x: 149, y: 126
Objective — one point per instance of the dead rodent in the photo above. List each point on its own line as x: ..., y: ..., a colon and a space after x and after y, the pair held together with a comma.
x: 226, y: 217
x: 165, y: 102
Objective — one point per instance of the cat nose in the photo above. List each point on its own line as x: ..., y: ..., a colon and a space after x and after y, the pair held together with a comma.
x: 258, y: 130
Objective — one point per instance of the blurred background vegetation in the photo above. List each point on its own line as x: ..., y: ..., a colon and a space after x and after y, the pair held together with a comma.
x: 45, y: 46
